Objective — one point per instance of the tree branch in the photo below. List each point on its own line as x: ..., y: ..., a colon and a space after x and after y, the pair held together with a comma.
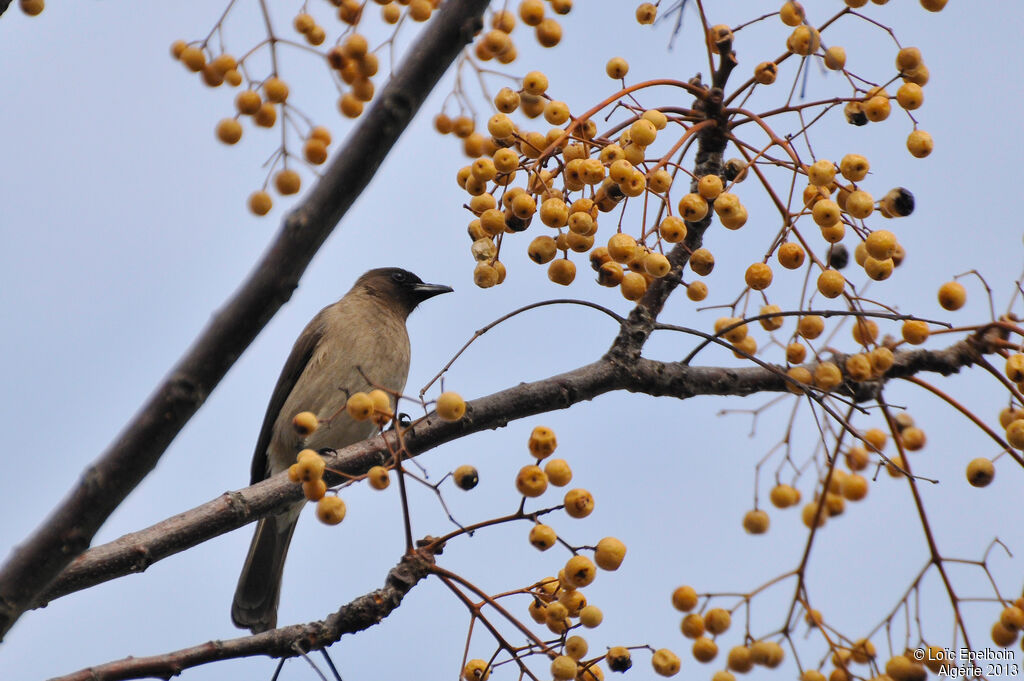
x: 358, y: 615
x: 133, y: 454
x: 137, y: 551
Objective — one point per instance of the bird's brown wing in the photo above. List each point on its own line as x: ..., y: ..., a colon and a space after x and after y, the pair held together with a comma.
x: 293, y: 367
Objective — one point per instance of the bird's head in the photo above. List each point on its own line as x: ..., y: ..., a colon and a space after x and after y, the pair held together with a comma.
x: 398, y: 287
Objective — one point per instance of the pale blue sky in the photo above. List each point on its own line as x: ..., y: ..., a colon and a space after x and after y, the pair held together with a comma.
x: 123, y: 229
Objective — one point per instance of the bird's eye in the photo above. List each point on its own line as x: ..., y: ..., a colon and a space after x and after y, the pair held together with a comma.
x: 398, y: 276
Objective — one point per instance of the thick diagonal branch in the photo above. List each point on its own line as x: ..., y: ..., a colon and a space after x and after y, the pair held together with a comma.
x: 136, y: 450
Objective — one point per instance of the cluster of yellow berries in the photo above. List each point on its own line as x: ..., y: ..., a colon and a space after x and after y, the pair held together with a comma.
x: 351, y: 60
x: 1007, y: 629
x: 844, y: 485
x: 557, y: 601
x: 374, y: 405
x: 355, y: 65
x: 875, y: 105
x: 862, y: 366
x: 704, y: 629
x: 261, y: 105
x: 608, y: 171
x: 532, y: 481
x: 309, y: 466
x: 497, y: 42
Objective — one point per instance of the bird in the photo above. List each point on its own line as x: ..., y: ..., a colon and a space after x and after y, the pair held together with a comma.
x: 355, y: 344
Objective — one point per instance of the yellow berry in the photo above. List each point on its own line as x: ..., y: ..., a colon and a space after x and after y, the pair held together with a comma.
x: 617, y: 68
x: 879, y: 270
x: 684, y: 598
x: 359, y: 406
x: 672, y: 229
x: 827, y: 376
x: 952, y: 295
x: 731, y: 329
x: 738, y: 660
x: 315, y: 151
x: 579, y: 503
x: 305, y: 423
x: 825, y: 213
x: 792, y: 13
x: 854, y: 167
x: 609, y: 553
x: 756, y: 521
x: 709, y: 187
x: 275, y: 90
x: 531, y: 481
x: 800, y: 377
x: 314, y: 490
x: 771, y: 323
x: 804, y: 40
x: 580, y: 571
x: 562, y: 272
x: 795, y: 353
x: 330, y: 510
x: 665, y: 662
x: 558, y: 472
x: 920, y: 144
x: 378, y: 477
x: 542, y: 442
x: 693, y: 207
x: 542, y: 537
x: 880, y: 244
x: 784, y: 496
x: 266, y: 115
x: 350, y: 105
x: 229, y: 130
x: 248, y: 102
x: 810, y: 326
x: 910, y: 96
x: 702, y: 261
x: 864, y: 331
x: 697, y: 291
x: 466, y: 477
x: 791, y: 255
x: 476, y: 670
x: 766, y: 72
x: 287, y: 181
x: 32, y: 7
x: 260, y: 203
x: 657, y: 265
x: 835, y: 58
x: 535, y: 83
x: 692, y: 625
x: 717, y: 620
x: 831, y: 283
x: 309, y: 466
x: 450, y: 406
x: 704, y: 649
x: 758, y: 276
x: 916, y: 332
x: 194, y: 58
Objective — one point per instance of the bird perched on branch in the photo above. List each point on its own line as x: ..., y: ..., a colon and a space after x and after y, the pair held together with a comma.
x: 356, y: 344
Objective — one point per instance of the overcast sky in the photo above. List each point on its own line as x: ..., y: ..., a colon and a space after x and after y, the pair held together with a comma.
x: 123, y: 228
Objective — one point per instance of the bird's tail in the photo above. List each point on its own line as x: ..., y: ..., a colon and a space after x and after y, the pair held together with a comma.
x: 259, y: 586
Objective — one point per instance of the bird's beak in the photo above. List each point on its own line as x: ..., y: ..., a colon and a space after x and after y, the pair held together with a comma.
x: 424, y: 291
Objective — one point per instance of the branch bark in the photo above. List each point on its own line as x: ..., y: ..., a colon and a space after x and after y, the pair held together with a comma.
x: 133, y: 454
x: 358, y: 615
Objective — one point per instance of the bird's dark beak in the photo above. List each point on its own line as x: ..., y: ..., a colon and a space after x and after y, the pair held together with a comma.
x: 424, y: 291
